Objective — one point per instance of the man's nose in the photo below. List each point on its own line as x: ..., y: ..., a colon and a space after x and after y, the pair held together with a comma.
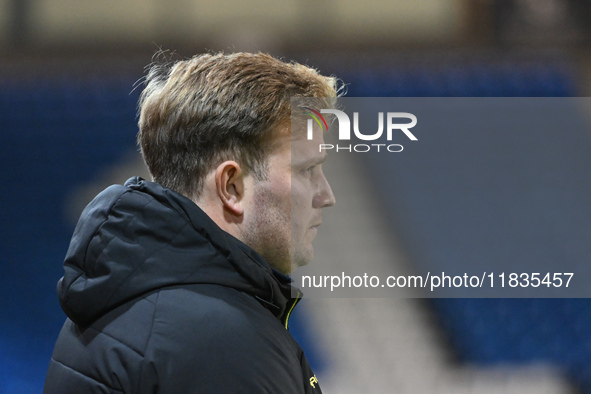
x: 324, y: 197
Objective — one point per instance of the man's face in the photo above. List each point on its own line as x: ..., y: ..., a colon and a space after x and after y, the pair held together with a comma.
x: 286, y: 209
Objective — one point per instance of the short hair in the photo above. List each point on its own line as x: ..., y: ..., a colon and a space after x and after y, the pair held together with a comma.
x: 196, y: 113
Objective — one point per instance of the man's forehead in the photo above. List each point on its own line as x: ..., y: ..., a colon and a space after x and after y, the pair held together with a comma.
x: 299, y: 132
x: 308, y: 151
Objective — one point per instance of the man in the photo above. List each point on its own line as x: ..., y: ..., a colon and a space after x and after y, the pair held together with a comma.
x: 180, y: 285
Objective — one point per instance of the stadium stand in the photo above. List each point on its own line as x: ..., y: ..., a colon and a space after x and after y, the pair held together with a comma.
x: 491, y: 332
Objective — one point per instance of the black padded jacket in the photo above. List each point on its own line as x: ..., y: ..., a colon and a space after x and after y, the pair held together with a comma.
x: 160, y: 300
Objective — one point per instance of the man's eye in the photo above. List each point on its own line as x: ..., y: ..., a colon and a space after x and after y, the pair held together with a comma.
x: 309, y: 170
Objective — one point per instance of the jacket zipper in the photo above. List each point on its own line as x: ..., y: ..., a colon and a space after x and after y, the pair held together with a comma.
x: 297, y: 299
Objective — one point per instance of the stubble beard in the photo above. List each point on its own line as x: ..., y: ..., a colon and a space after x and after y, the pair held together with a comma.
x: 269, y: 230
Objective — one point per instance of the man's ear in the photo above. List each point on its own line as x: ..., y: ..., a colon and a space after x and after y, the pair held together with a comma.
x: 229, y: 182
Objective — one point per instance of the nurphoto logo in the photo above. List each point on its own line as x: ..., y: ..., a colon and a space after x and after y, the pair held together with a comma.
x: 344, y: 130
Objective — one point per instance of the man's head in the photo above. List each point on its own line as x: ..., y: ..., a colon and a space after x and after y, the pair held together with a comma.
x: 216, y: 128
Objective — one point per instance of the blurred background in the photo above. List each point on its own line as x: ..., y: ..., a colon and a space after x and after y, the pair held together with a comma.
x: 67, y: 130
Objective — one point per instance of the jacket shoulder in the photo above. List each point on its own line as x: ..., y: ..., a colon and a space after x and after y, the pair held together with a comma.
x: 209, y: 338
x: 105, y: 356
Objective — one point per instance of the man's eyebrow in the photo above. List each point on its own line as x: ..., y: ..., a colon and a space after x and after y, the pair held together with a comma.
x: 316, y: 160
x: 310, y: 161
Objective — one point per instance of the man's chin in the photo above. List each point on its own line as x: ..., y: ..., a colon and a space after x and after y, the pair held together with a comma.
x: 302, y: 261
